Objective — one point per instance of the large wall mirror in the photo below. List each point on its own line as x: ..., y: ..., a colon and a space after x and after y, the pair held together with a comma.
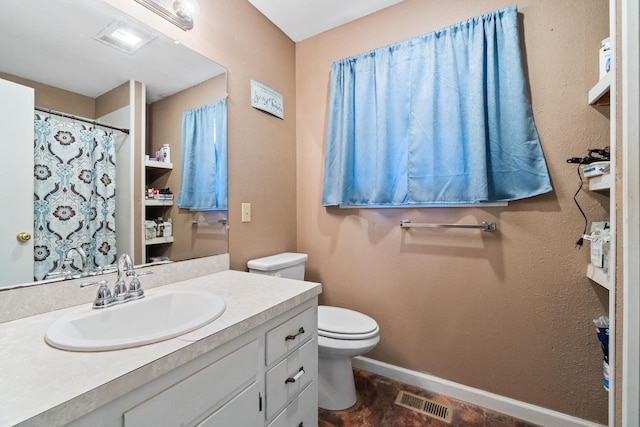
x: 84, y: 87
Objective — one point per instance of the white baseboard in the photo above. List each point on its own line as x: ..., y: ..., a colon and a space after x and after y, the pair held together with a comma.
x: 515, y: 408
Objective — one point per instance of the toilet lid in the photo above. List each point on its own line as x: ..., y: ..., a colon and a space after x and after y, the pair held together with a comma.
x: 342, y: 323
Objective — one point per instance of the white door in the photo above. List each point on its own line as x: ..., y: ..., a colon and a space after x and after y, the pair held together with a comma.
x: 16, y: 183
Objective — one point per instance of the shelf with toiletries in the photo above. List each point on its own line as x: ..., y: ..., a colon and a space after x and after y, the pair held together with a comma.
x: 600, y: 183
x: 600, y: 92
x: 159, y: 240
x: 158, y: 201
x: 600, y: 249
x: 598, y: 175
x: 149, y: 163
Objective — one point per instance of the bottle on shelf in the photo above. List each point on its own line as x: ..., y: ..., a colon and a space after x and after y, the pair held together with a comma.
x: 166, y: 153
x: 159, y: 227
x: 168, y: 228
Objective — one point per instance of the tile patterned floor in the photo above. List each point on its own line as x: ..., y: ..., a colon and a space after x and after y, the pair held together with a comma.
x: 375, y: 408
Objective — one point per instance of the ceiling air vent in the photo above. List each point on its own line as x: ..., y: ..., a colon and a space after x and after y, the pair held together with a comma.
x: 424, y: 406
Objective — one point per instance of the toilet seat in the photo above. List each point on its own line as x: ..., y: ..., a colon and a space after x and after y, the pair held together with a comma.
x: 345, y: 324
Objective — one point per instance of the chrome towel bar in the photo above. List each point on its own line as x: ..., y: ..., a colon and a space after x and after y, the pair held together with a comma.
x: 485, y: 226
x: 208, y: 221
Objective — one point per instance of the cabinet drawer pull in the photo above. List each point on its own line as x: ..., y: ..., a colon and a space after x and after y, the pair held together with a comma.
x: 296, y: 377
x: 293, y: 337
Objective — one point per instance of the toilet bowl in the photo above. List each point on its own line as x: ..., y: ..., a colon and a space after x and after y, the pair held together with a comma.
x: 342, y: 335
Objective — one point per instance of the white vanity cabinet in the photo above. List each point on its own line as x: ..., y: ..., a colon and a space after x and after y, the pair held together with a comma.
x: 266, y: 376
x: 230, y: 379
x: 292, y: 371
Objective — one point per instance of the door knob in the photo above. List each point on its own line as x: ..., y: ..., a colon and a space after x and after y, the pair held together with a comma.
x: 23, y: 237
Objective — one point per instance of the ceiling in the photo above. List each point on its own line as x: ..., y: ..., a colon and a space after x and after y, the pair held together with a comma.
x: 301, y: 19
x: 42, y: 48
x: 56, y: 45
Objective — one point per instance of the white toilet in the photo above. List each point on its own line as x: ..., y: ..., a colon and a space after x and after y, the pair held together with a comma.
x: 342, y: 334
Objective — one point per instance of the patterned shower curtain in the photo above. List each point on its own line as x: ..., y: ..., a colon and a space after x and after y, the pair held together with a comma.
x: 75, y: 194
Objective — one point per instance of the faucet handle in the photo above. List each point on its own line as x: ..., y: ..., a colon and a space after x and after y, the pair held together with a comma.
x: 87, y: 284
x: 144, y: 273
x: 105, y: 268
x: 103, y: 296
x: 135, y: 290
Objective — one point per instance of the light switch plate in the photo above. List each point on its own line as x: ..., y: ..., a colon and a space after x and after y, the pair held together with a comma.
x: 246, y: 212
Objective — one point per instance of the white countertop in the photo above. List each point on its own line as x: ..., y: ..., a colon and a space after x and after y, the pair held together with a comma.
x: 47, y: 386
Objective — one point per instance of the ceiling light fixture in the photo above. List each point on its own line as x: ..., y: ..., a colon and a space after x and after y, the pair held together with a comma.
x: 125, y: 36
x: 178, y: 12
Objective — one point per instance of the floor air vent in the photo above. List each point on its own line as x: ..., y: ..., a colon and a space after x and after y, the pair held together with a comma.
x: 424, y: 406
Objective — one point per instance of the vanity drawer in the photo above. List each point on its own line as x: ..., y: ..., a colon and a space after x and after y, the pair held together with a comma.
x: 302, y: 412
x: 200, y: 393
x: 290, y: 376
x: 290, y: 334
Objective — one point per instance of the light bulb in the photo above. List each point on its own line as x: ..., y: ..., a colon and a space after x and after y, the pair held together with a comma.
x: 186, y: 9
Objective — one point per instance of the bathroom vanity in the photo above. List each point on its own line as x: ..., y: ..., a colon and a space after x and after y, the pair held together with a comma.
x: 256, y: 365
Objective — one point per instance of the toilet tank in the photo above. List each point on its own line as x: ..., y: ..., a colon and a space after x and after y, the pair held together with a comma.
x: 288, y: 264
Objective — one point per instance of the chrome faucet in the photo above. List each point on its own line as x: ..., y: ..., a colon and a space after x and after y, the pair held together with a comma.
x: 125, y: 268
x: 83, y: 259
x: 105, y: 298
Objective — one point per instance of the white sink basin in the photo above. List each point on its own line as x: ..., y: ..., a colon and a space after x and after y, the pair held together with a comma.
x: 158, y: 316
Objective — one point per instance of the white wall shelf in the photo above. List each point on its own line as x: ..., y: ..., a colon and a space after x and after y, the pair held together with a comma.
x: 158, y: 165
x: 599, y: 94
x: 600, y: 182
x: 598, y: 275
x: 159, y: 240
x: 158, y: 202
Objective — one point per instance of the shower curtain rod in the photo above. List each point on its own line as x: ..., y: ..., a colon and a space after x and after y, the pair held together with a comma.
x: 80, y: 119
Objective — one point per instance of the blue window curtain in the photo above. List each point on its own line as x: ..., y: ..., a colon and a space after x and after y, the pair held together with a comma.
x: 203, y: 179
x: 442, y: 118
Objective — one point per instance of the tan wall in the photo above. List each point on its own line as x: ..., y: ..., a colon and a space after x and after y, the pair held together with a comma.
x: 164, y: 121
x: 508, y: 312
x: 262, y: 159
x: 112, y: 100
x: 56, y: 99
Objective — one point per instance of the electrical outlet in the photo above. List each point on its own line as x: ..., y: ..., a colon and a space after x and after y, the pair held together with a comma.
x: 246, y: 212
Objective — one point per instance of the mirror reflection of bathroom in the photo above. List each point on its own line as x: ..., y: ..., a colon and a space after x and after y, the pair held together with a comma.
x: 94, y: 119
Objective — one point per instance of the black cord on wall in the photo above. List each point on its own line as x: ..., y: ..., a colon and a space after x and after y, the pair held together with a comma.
x: 580, y: 241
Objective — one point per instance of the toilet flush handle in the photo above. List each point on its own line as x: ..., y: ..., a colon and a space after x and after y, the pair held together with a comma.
x: 293, y: 337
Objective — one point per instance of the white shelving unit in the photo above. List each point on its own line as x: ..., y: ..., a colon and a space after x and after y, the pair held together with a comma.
x: 158, y: 202
x: 154, y: 170
x: 600, y: 94
x: 159, y: 240
x: 604, y: 93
